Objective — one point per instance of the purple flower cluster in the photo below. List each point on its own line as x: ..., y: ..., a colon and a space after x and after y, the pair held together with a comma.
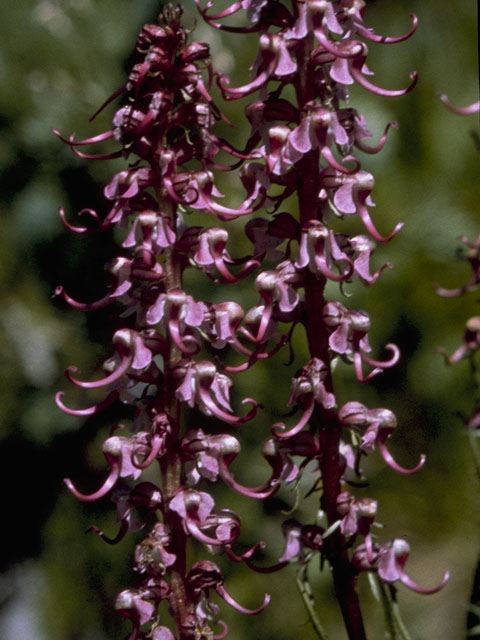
x: 164, y: 356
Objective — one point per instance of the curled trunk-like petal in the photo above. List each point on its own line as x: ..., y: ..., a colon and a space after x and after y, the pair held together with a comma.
x: 89, y: 411
x: 270, y: 53
x: 220, y: 589
x: 389, y: 459
x: 122, y: 368
x: 197, y: 533
x: 333, y: 162
x: 358, y: 365
x: 278, y: 429
x: 368, y: 34
x: 156, y: 446
x: 109, y: 483
x: 113, y: 97
x: 83, y: 306
x: 118, y: 538
x: 349, y: 49
x: 264, y: 324
x: 73, y: 144
x: 381, y: 143
x: 257, y: 355
x: 367, y: 221
x: 258, y: 493
x: 219, y: 636
x: 356, y: 70
x: 101, y: 137
x: 181, y: 341
x: 408, y: 582
x: 461, y: 111
x: 391, y: 561
x: 81, y: 230
x: 384, y: 364
x: 223, y: 415
x: 231, y: 278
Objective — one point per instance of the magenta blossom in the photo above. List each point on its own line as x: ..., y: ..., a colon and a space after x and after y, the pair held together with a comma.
x: 179, y: 347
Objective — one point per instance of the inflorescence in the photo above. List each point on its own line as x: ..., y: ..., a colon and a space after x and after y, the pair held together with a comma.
x: 168, y: 354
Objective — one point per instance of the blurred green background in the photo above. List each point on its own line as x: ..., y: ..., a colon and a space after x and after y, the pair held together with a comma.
x: 59, y: 60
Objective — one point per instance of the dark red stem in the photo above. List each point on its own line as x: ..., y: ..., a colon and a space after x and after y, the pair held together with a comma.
x: 324, y: 421
x: 171, y: 464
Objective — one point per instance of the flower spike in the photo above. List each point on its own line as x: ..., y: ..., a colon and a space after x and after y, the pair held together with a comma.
x: 171, y: 362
